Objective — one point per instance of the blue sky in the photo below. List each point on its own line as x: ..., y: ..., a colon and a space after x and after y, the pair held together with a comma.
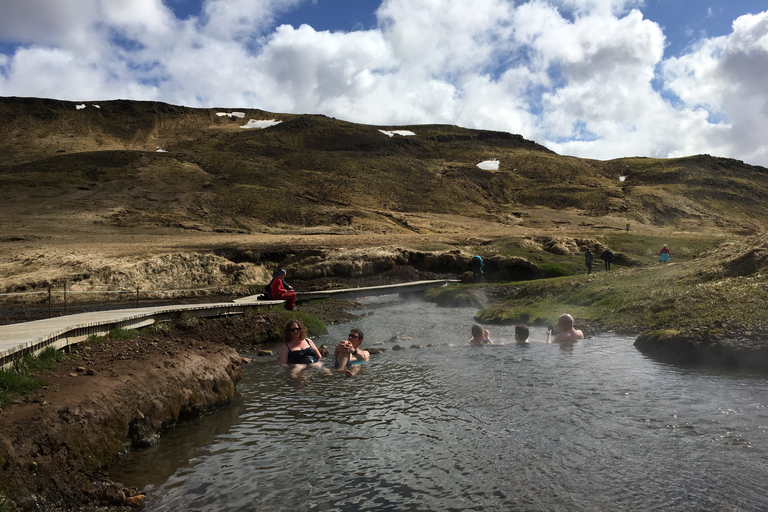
x: 591, y: 78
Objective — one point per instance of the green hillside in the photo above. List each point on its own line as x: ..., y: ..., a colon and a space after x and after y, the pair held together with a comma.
x: 101, y: 166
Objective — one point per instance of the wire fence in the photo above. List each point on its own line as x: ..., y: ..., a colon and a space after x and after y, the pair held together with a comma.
x: 24, y: 306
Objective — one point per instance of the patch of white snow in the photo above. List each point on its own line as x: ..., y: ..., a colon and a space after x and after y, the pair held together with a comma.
x: 622, y: 178
x: 239, y: 115
x: 266, y: 123
x: 489, y: 165
x: 80, y: 107
x: 404, y: 133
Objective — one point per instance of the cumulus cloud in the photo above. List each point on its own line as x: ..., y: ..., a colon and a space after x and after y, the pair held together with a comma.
x: 584, y: 77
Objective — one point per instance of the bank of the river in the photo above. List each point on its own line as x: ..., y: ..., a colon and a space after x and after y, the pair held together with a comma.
x: 114, y: 394
x: 710, y: 310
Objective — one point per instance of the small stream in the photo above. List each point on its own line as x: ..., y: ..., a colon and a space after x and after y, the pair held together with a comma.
x: 591, y: 426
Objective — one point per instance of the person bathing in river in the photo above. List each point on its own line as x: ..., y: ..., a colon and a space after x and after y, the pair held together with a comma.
x: 282, y: 291
x: 298, y: 352
x: 521, y: 334
x: 480, y: 336
x: 567, y: 332
x: 348, y: 353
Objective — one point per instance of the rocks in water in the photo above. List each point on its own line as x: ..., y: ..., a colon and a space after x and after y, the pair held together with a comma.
x: 398, y: 347
x: 264, y: 352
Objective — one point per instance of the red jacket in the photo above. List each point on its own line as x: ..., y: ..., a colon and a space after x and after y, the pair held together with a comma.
x: 278, y: 288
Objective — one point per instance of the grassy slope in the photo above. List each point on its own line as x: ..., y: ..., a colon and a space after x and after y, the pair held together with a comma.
x: 726, y: 289
x: 101, y: 164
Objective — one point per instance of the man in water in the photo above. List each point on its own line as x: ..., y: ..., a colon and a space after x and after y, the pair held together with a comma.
x: 521, y: 334
x: 480, y: 336
x: 348, y: 353
x: 568, y: 333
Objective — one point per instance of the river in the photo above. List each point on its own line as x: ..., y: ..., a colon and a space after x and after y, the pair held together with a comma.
x: 449, y: 427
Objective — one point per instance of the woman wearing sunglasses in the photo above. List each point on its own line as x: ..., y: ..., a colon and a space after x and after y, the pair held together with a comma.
x: 298, y: 350
x: 348, y: 353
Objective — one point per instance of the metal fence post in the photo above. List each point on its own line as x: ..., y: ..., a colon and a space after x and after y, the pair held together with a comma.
x: 49, y: 302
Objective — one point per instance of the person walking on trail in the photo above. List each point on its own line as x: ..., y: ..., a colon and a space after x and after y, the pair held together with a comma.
x: 477, y: 267
x: 588, y: 259
x: 607, y: 256
x: 281, y: 290
x: 664, y: 254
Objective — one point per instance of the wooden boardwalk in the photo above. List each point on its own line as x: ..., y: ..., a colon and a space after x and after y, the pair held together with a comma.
x: 16, y: 340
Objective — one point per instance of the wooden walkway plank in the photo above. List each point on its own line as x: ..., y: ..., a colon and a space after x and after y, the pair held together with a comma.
x: 16, y: 340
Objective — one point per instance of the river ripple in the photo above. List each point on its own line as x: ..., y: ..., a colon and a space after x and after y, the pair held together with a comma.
x: 592, y: 426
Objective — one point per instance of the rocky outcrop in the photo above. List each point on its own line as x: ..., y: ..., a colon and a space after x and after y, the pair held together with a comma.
x: 53, y: 451
x: 704, y: 346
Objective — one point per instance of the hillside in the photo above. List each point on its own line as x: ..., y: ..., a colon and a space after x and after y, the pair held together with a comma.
x: 134, y: 166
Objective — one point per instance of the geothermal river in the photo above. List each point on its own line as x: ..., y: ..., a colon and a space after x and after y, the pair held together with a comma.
x: 593, y: 426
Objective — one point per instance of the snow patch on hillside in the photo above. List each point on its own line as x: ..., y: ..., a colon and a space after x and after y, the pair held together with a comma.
x: 266, y: 123
x: 489, y: 165
x: 404, y: 133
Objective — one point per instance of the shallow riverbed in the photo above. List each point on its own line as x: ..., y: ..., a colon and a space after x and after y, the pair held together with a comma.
x: 591, y: 426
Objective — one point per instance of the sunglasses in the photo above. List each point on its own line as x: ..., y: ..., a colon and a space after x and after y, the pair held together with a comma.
x: 295, y: 329
x: 353, y: 335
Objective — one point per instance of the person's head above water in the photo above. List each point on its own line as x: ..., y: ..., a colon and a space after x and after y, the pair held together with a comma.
x: 477, y: 330
x: 521, y: 333
x: 565, y: 321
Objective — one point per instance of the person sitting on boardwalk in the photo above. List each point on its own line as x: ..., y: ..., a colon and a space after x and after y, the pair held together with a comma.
x: 348, y: 353
x: 282, y: 290
x: 298, y: 351
x: 664, y: 254
x: 521, y: 334
x: 568, y: 333
x: 480, y: 336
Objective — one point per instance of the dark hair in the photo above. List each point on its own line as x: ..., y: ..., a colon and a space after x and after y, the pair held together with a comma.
x: 477, y: 330
x: 286, y: 335
x: 522, y: 331
x: 358, y: 332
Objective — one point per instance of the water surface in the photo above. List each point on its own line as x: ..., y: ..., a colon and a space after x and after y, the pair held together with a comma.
x: 591, y: 426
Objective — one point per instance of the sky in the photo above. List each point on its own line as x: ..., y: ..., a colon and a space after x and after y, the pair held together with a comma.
x: 596, y: 79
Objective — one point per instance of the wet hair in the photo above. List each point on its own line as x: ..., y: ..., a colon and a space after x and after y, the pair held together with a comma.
x: 521, y: 331
x: 565, y: 317
x: 358, y: 332
x: 477, y: 330
x: 286, y: 335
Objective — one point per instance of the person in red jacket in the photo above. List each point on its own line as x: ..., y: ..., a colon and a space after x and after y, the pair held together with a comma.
x: 282, y: 290
x: 664, y: 254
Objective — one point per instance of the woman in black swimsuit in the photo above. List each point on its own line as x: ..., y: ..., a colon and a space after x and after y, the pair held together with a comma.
x: 298, y: 351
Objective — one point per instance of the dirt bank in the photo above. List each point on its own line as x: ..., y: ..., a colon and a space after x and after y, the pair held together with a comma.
x: 110, y: 396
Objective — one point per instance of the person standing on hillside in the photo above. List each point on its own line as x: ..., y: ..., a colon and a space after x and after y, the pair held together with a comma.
x: 477, y: 267
x: 282, y: 291
x: 664, y: 254
x: 588, y: 259
x: 607, y: 256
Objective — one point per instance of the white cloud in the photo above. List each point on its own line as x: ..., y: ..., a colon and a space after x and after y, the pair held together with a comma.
x: 585, y: 77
